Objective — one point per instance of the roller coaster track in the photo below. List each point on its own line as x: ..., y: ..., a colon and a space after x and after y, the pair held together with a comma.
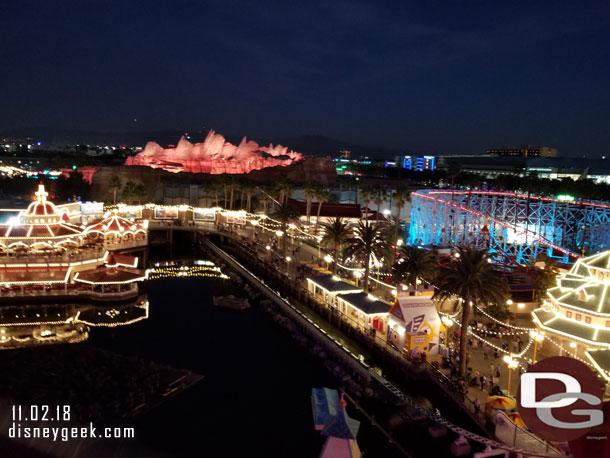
x: 516, y: 225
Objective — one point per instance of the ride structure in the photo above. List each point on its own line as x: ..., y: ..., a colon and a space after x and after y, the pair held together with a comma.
x: 512, y: 226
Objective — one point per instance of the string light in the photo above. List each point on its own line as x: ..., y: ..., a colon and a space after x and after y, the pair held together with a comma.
x: 186, y: 271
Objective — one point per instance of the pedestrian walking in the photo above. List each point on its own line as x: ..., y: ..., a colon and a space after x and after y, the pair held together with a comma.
x: 498, y: 371
x: 515, y: 345
x: 495, y: 353
x: 485, y: 352
x: 520, y: 343
x: 477, y: 406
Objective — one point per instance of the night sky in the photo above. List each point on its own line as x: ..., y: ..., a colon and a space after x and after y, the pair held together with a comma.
x: 429, y: 76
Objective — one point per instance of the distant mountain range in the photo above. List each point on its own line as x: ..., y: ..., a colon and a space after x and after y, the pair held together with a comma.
x: 308, y: 144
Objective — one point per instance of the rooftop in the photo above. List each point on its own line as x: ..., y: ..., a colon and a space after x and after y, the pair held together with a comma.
x: 586, y: 286
x: 366, y: 303
x: 333, y: 283
x: 570, y: 328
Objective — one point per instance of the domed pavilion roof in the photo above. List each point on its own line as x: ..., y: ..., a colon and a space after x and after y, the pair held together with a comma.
x: 41, y: 211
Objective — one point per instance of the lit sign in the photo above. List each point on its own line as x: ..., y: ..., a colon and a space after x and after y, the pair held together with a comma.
x: 565, y: 198
x: 92, y: 207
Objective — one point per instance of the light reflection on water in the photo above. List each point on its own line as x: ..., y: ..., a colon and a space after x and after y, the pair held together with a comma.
x: 30, y: 325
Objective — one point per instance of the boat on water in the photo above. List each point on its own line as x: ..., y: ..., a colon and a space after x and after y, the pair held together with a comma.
x: 231, y: 302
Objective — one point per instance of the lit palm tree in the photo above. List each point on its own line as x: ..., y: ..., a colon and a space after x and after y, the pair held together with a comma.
x: 309, y: 192
x: 322, y: 195
x: 368, y: 241
x: 379, y: 197
x: 284, y: 187
x: 415, y: 264
x: 366, y: 193
x: 471, y: 277
x: 114, y: 186
x: 401, y: 196
x: 285, y: 214
x: 336, y: 234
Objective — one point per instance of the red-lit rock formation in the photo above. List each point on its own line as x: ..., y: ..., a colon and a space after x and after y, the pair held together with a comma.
x: 215, y: 156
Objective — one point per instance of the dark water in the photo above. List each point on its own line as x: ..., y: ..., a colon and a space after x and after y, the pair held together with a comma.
x: 255, y: 398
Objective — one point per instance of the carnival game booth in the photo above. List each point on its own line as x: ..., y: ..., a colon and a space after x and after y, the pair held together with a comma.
x: 414, y: 325
x: 325, y: 288
x: 116, y: 230
x: 364, y: 311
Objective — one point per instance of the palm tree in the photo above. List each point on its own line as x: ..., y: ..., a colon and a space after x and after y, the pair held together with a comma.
x: 368, y: 241
x: 284, y: 187
x: 366, y: 193
x: 401, y: 196
x: 215, y: 187
x: 309, y: 192
x: 379, y: 197
x: 322, y: 195
x: 232, y: 184
x: 248, y: 189
x: 452, y: 172
x: 129, y: 191
x: 114, y: 185
x: 415, y: 264
x: 470, y: 276
x: 139, y: 192
x: 336, y: 234
x: 285, y: 214
x: 223, y: 181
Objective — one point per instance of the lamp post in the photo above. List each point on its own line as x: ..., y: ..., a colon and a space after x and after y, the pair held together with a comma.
x: 511, y: 363
x: 538, y: 337
x: 319, y: 239
x: 279, y: 237
x: 573, y: 347
x: 288, y: 259
x: 358, y: 276
x: 254, y: 224
x: 447, y: 322
x: 327, y: 259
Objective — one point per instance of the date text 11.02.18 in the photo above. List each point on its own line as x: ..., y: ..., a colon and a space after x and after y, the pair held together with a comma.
x: 40, y: 413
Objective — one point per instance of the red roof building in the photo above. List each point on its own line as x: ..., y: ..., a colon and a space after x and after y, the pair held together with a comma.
x: 39, y: 225
x: 335, y: 209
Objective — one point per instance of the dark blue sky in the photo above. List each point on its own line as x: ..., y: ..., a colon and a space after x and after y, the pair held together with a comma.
x: 434, y: 76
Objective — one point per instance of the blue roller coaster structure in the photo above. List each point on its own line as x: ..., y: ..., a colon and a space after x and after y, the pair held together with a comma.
x: 512, y: 226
